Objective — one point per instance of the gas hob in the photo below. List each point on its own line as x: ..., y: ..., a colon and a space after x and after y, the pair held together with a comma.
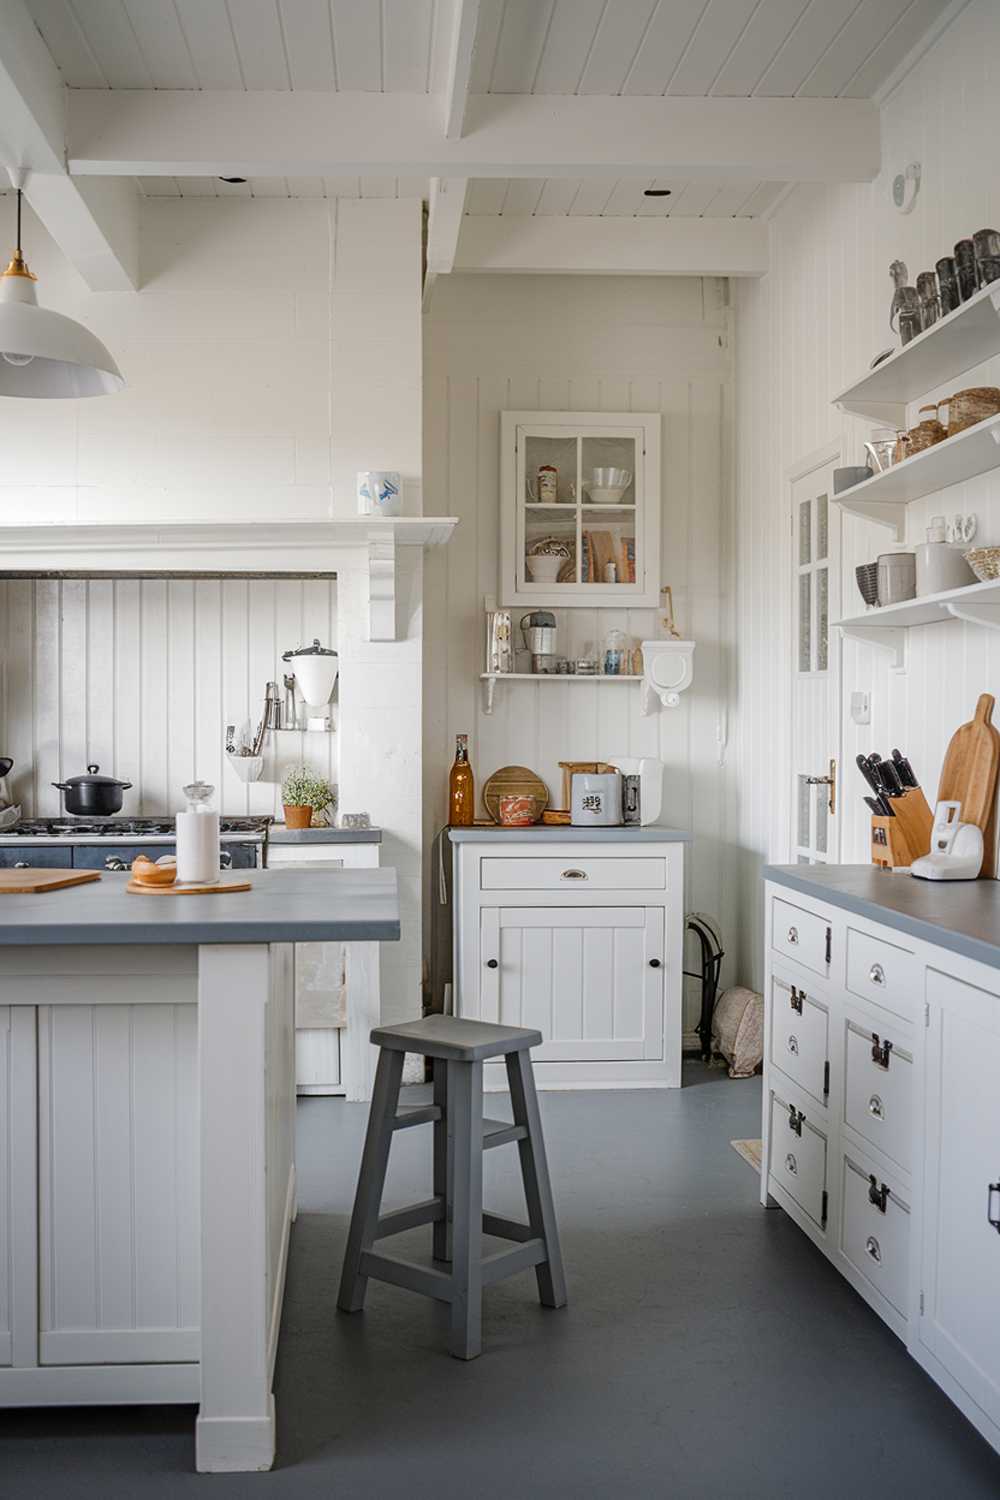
x: 124, y: 830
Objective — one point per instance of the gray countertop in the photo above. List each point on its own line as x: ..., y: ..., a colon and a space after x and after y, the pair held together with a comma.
x: 284, y: 906
x: 279, y: 834
x: 569, y: 835
x: 960, y: 915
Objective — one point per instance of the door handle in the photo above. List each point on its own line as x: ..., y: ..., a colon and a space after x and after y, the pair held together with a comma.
x: 491, y: 963
x: 829, y: 780
x: 654, y: 963
x: 993, y: 1206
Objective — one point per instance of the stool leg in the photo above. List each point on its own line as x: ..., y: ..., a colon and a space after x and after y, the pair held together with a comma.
x: 465, y: 1136
x: 442, y: 1162
x: 371, y: 1179
x: 535, y: 1172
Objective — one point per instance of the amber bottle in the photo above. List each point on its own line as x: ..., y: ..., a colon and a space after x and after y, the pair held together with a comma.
x: 461, y: 787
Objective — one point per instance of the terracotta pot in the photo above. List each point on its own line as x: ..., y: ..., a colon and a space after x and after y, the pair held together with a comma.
x: 297, y: 817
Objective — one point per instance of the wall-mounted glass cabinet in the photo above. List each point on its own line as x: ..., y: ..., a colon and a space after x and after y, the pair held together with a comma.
x: 580, y: 508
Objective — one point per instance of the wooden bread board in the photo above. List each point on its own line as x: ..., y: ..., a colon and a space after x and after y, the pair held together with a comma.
x: 31, y: 882
x: 514, y: 781
x: 220, y: 889
x: 969, y: 776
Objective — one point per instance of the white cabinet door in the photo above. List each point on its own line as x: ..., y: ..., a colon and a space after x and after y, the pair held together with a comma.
x: 18, y: 1215
x: 589, y: 979
x: 960, y: 1278
x: 118, y: 1183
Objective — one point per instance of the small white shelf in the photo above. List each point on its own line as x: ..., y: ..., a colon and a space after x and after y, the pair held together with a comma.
x: 490, y: 679
x: 884, y: 498
x: 955, y: 343
x: 886, y: 627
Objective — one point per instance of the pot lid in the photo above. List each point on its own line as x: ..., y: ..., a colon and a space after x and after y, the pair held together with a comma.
x: 93, y: 779
x: 314, y: 650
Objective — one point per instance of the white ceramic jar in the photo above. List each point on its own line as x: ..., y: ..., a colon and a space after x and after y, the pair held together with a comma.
x: 897, y: 577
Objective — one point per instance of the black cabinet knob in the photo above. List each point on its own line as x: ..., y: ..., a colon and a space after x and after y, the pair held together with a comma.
x: 654, y: 963
x: 491, y: 963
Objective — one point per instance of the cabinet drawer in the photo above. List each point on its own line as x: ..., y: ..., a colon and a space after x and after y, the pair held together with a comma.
x: 802, y: 936
x: 798, y: 1158
x: 876, y: 1238
x: 800, y: 1037
x: 59, y: 858
x: 878, y: 1087
x: 528, y: 874
x: 879, y: 971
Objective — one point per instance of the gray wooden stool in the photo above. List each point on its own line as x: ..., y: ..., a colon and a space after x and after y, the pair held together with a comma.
x: 461, y: 1135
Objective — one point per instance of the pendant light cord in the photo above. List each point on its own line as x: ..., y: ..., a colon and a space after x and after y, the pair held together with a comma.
x: 19, y: 221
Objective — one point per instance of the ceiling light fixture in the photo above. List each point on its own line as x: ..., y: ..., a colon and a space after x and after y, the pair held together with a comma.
x: 42, y: 353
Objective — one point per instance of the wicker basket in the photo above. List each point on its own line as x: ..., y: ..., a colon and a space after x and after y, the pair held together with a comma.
x: 966, y: 408
x: 984, y: 562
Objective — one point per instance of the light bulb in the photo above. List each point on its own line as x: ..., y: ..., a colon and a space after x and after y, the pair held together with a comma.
x: 18, y: 359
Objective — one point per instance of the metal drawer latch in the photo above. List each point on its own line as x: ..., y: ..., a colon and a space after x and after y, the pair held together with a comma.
x: 880, y: 1051
x: 878, y: 1193
x: 795, y: 1118
x: 797, y: 997
x: 993, y: 1206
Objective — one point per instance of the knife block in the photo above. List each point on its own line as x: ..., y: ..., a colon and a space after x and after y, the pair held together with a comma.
x: 898, y: 841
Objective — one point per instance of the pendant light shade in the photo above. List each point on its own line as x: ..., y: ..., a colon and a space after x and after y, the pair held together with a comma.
x: 42, y: 353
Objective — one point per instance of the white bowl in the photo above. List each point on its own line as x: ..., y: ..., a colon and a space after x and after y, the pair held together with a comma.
x: 605, y: 494
x: 544, y: 568
x: 607, y: 477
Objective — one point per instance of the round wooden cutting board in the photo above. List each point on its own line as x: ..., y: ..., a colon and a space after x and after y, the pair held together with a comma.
x: 514, y: 781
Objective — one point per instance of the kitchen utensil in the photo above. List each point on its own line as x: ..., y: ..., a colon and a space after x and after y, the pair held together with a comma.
x: 847, y: 477
x: 930, y: 300
x: 544, y: 490
x: 198, y: 836
x: 596, y: 799
x: 965, y: 269
x: 93, y: 795
x: 867, y: 577
x: 881, y: 449
x: 984, y: 562
x: 315, y: 669
x: 570, y: 767
x: 606, y: 486
x: 154, y: 872
x: 34, y: 882
x: 222, y: 888
x: 867, y: 771
x: 956, y: 851
x: 939, y: 566
x: 538, y: 630
x: 947, y: 276
x: 897, y: 577
x: 890, y: 778
x: 880, y: 807
x: 9, y: 816
x: 614, y: 653
x: 290, y: 712
x: 513, y: 781
x: 904, y: 770
x: 969, y: 775
x: 970, y: 406
x: 380, y: 493
x: 986, y: 243
x: 517, y: 812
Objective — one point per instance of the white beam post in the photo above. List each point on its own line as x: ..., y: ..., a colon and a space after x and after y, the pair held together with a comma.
x: 463, y: 43
x: 96, y: 224
x: 166, y: 132
x: 444, y: 224
x: 543, y: 244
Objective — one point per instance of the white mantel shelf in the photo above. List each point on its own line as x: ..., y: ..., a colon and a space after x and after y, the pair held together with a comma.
x: 296, y: 547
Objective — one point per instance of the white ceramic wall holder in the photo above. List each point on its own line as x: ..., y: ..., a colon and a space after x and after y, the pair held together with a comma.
x: 667, y: 669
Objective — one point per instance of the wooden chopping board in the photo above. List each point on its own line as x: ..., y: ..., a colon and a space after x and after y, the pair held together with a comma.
x: 969, y: 776
x: 30, y: 882
x: 220, y: 889
x: 514, y: 781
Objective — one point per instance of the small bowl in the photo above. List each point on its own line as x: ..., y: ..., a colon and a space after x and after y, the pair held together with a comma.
x: 605, y: 494
x: 867, y: 576
x: 543, y: 567
x: 145, y: 872
x: 984, y: 562
x: 518, y: 812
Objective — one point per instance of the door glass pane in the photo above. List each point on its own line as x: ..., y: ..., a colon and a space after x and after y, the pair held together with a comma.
x: 802, y: 816
x: 805, y: 536
x: 805, y: 622
x: 822, y: 528
x: 822, y: 815
x: 822, y: 619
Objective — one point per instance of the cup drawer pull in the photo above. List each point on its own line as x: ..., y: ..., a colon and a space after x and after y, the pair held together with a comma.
x: 791, y: 1165
x: 874, y: 1249
x: 793, y: 936
x: 793, y: 1045
x: 573, y: 875
x: 876, y: 974
x: 876, y: 1108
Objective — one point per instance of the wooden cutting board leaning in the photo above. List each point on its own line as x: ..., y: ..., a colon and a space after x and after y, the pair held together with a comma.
x: 969, y: 776
x: 33, y: 882
x: 514, y: 781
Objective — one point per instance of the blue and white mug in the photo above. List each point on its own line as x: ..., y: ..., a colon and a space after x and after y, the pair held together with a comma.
x: 380, y: 493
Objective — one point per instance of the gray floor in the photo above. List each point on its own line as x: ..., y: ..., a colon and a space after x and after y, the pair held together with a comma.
x: 708, y: 1349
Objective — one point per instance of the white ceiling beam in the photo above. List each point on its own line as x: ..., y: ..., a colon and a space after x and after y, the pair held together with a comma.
x: 165, y: 132
x: 444, y: 223
x: 542, y: 245
x: 94, y: 224
x: 463, y: 45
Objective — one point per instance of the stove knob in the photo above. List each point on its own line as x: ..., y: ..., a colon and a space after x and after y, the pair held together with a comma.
x: 114, y: 863
x: 225, y: 860
x: 22, y: 864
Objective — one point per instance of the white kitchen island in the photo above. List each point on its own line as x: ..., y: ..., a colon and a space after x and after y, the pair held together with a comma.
x: 147, y: 1129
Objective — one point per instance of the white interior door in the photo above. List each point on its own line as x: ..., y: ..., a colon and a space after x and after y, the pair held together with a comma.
x: 815, y: 694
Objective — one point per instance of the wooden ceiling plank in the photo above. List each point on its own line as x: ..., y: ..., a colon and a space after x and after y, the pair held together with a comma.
x: 619, y: 37
x: 542, y: 245
x: 557, y: 195
x: 357, y: 46
x: 307, y: 29
x: 162, y: 44
x: 269, y: 187
x: 260, y: 45
x: 485, y: 195
x: 660, y: 208
x: 909, y: 31
x: 592, y: 197
x: 626, y: 197
x: 519, y: 48
x: 65, y: 39
x: 210, y: 40
x: 870, y: 24
x: 667, y: 39
x: 522, y: 196
x: 692, y: 202
x: 305, y: 187
x: 753, y: 53
x: 113, y: 43
x: 572, y: 30
x: 760, y: 199
x: 717, y: 33
x: 478, y: 25
x: 807, y: 41
x: 406, y: 43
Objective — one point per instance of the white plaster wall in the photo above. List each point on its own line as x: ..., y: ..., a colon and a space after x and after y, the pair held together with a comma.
x: 581, y: 343
x: 273, y: 350
x: 804, y: 332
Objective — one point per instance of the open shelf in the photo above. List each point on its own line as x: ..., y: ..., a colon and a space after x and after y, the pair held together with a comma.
x: 955, y: 343
x: 886, y: 627
x: 490, y: 679
x: 884, y: 497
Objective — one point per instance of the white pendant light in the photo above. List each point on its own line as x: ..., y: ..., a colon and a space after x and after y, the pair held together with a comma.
x: 42, y: 353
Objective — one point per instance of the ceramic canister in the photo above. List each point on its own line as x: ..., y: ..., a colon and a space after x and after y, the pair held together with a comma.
x: 897, y: 577
x: 518, y: 812
x: 380, y: 493
x: 596, y: 799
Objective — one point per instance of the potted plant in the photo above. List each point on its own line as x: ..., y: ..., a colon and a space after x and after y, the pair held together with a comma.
x: 304, y: 793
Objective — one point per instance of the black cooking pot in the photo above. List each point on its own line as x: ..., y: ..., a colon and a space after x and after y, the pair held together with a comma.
x: 92, y: 796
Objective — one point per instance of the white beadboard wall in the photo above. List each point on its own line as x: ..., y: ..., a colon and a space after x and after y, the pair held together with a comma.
x: 803, y: 333
x: 580, y: 343
x: 143, y: 675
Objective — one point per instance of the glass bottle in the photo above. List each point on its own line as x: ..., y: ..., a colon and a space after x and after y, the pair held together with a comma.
x: 461, y: 787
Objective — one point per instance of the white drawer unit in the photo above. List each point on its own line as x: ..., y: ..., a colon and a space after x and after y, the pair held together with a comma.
x: 542, y: 874
x: 875, y: 1232
x: 878, y: 1086
x: 800, y: 1037
x: 802, y: 935
x: 582, y: 939
x: 799, y: 1158
x: 881, y: 971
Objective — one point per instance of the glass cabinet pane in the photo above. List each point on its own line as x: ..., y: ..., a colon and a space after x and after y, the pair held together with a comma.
x: 805, y: 622
x: 550, y: 476
x: 607, y: 471
x: 805, y: 532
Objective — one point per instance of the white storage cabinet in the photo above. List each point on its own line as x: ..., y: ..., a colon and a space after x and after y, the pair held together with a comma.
x: 881, y: 1129
x: 582, y: 941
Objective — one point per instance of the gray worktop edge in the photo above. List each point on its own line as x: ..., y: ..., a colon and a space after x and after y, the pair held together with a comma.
x: 279, y: 834
x: 569, y: 835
